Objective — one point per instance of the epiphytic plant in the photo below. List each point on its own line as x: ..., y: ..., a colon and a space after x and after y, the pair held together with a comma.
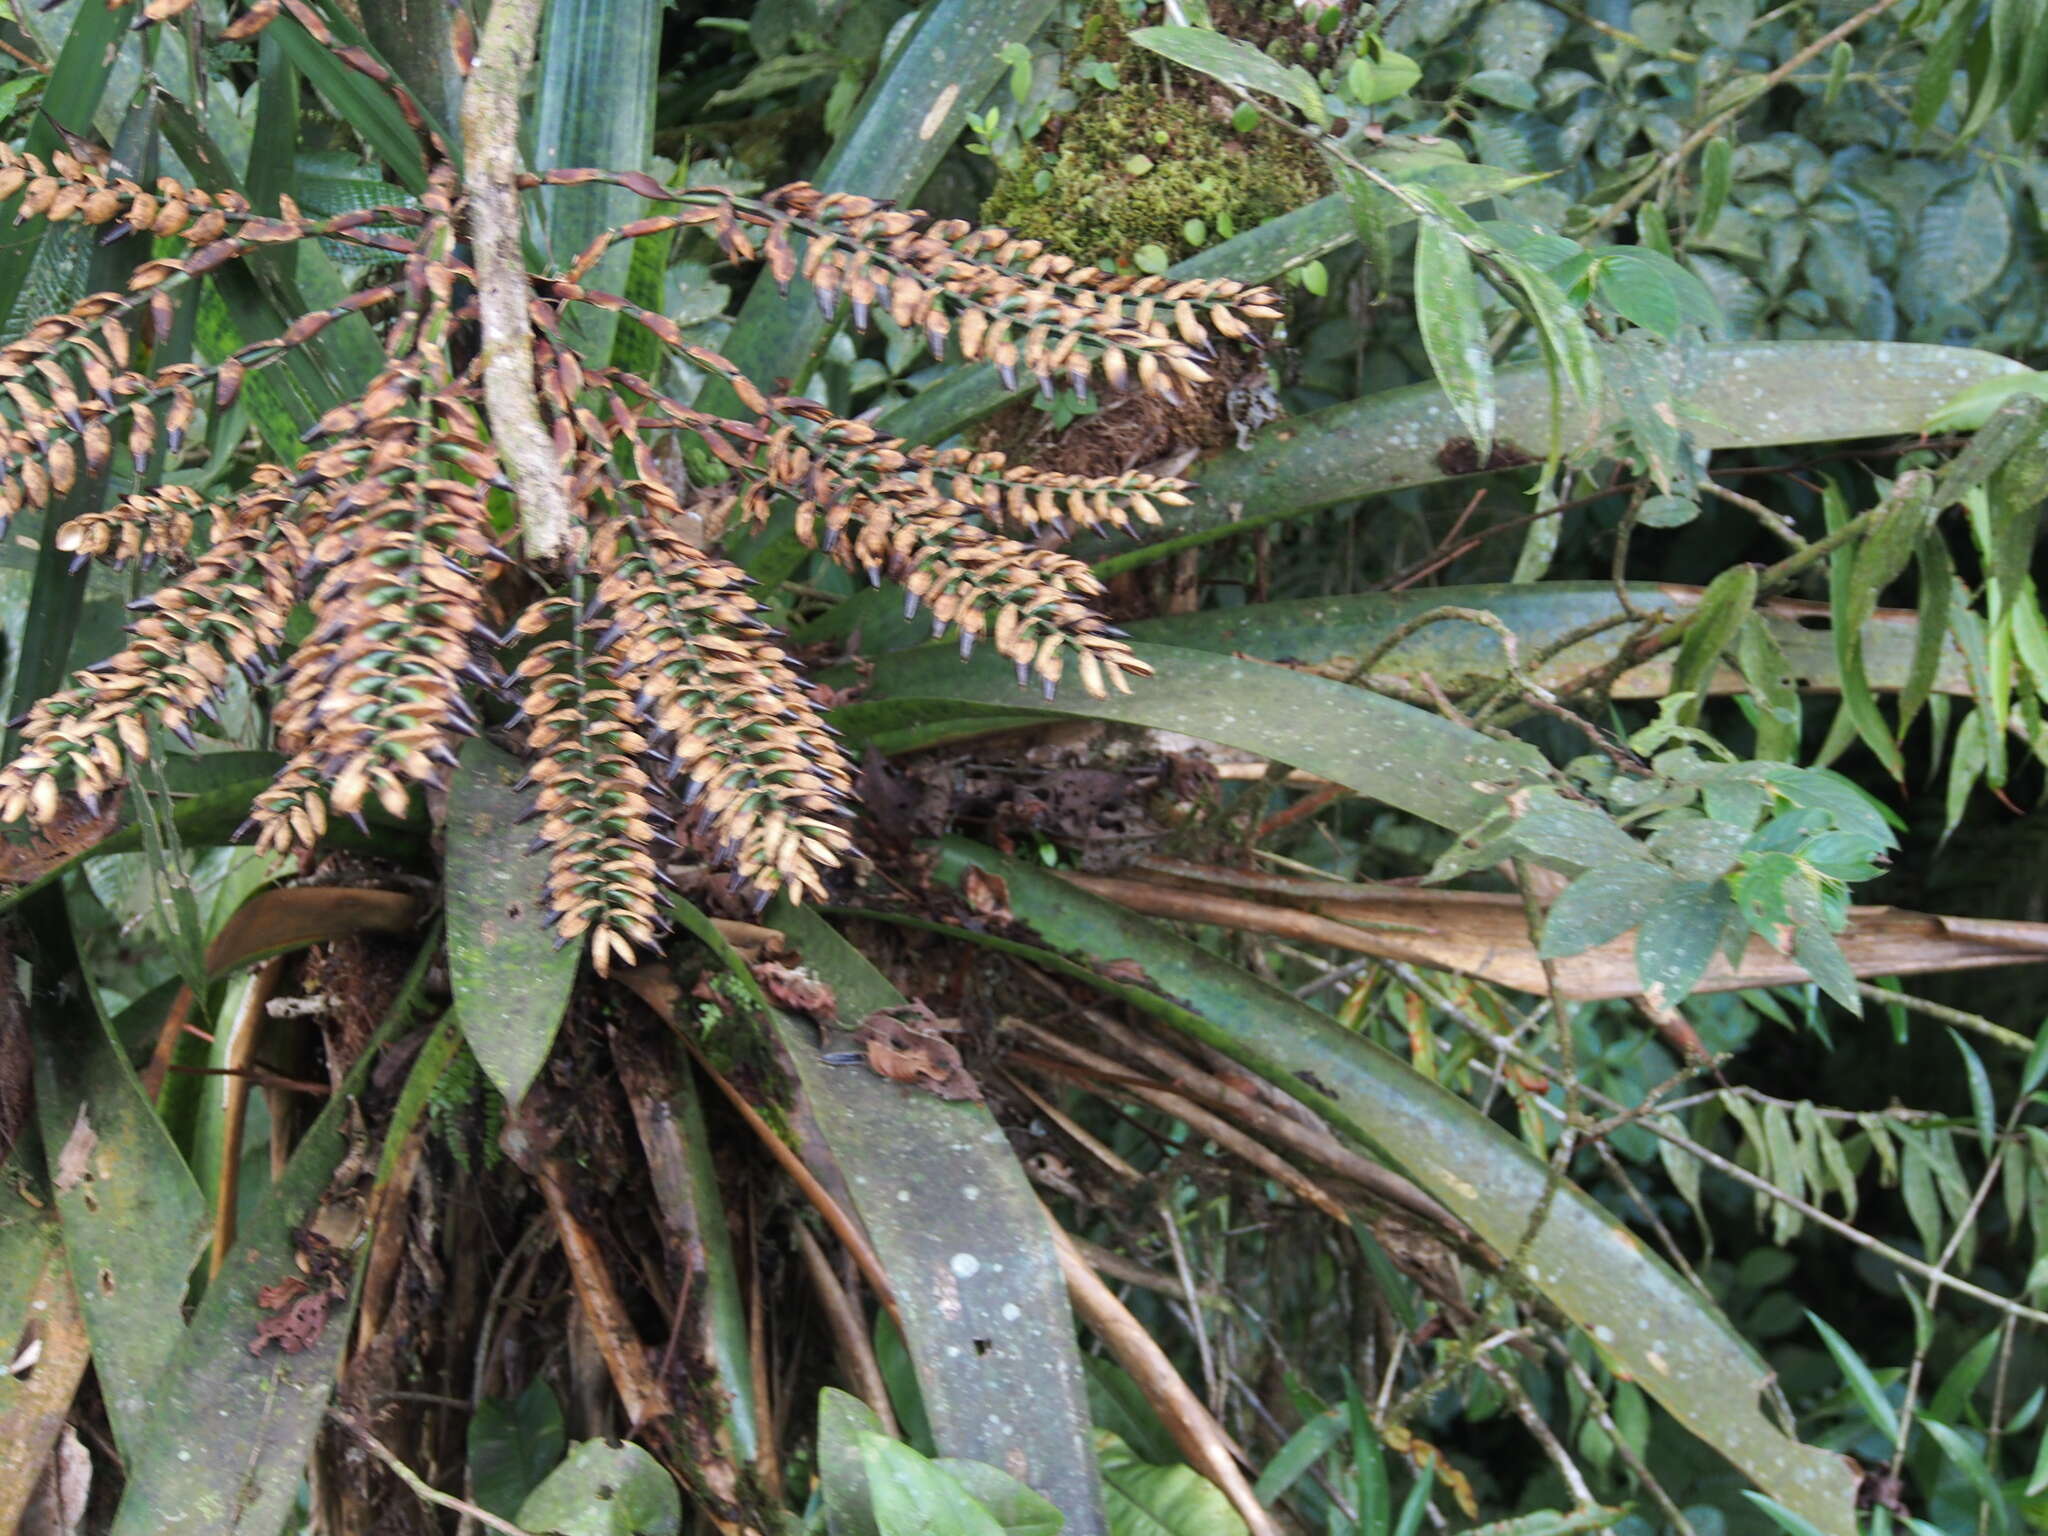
x: 657, y: 708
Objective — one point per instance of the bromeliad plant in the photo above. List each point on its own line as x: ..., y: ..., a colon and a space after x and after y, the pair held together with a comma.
x: 658, y: 710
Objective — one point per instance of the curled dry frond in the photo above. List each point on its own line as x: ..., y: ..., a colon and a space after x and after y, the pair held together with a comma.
x: 660, y: 710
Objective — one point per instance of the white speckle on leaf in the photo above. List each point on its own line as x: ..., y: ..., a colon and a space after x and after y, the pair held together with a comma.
x: 966, y: 1265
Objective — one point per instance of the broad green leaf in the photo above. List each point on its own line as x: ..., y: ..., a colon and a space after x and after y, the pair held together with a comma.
x: 514, y: 1443
x: 605, y: 1488
x: 1566, y: 834
x: 1503, y: 86
x: 1640, y: 292
x: 1148, y: 1500
x: 594, y: 105
x: 1240, y: 64
x: 1861, y: 1382
x: 260, y: 1408
x: 1644, y: 1318
x: 133, y: 1219
x: 497, y: 924
x: 1380, y: 74
x: 1982, y: 1107
x: 1678, y: 937
x: 1454, y: 330
x: 1724, y: 608
x: 1415, y: 761
x: 1970, y: 409
x: 1699, y: 850
x: 1016, y: 1509
x: 1716, y: 161
x: 1735, y: 395
x: 1304, y: 1448
x: 843, y: 1422
x: 913, y: 1497
x: 1602, y: 904
x: 1667, y: 512
x: 1967, y: 1459
x: 977, y: 1282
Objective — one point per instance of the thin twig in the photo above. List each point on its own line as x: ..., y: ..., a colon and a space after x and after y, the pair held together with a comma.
x: 419, y: 1485
x: 849, y: 1330
x: 1194, y: 1429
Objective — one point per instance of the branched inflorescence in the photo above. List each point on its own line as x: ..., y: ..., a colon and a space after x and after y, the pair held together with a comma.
x: 657, y: 709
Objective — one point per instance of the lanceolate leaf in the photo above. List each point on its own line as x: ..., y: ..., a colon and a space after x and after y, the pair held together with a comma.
x: 510, y: 979
x: 595, y: 106
x: 1415, y: 761
x: 1332, y: 634
x: 230, y: 1426
x: 1453, y: 329
x: 1740, y: 394
x: 964, y: 1239
x: 133, y: 1219
x: 1236, y: 63
x: 71, y: 98
x: 1639, y: 1314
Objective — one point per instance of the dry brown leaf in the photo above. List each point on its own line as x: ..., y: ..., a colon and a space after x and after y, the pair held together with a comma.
x: 795, y: 987
x: 1486, y: 935
x: 916, y: 1053
x: 987, y: 894
x: 74, y: 1161
x: 73, y: 831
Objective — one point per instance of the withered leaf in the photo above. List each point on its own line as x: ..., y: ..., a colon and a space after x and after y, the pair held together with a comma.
x: 987, y: 894
x: 71, y: 832
x: 1125, y: 971
x: 74, y: 1162
x: 794, y: 987
x: 296, y: 1328
x: 915, y: 1053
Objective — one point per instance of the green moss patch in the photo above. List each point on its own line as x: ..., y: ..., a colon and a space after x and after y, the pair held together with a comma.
x: 1131, y: 168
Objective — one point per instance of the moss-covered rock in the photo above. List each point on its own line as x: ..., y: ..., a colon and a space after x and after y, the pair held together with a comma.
x: 1131, y: 167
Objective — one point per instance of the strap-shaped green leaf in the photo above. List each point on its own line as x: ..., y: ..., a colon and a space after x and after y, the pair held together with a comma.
x: 1670, y: 1339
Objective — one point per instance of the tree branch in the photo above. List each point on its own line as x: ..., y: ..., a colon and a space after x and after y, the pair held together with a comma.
x: 490, y: 145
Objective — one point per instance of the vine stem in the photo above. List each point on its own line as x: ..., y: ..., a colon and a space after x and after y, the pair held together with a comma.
x: 490, y: 146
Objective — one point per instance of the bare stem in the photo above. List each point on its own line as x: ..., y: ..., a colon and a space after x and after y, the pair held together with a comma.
x: 490, y: 144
